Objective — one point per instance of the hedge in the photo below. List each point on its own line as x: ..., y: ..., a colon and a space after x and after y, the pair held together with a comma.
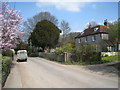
x: 6, y: 63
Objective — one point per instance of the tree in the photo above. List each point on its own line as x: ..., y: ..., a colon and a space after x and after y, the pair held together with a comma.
x: 65, y: 28
x: 30, y: 24
x: 91, y: 24
x: 114, y: 34
x: 45, y: 35
x: 70, y: 38
x: 10, y: 25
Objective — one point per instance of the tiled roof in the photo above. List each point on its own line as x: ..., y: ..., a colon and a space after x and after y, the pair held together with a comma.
x: 90, y: 31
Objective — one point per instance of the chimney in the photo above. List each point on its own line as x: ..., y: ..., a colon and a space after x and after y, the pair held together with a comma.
x: 89, y: 25
x: 105, y: 22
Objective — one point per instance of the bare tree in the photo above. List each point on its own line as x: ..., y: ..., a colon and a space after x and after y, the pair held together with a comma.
x: 91, y: 24
x: 29, y: 25
x: 64, y: 26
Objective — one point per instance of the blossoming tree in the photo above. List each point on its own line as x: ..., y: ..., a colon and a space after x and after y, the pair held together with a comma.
x: 10, y: 23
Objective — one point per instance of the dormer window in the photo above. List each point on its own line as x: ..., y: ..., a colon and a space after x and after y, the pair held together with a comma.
x: 95, y: 29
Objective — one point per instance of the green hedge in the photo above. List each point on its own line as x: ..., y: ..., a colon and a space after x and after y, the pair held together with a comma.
x: 86, y: 53
x: 6, y: 63
x: 33, y: 55
x: 0, y: 68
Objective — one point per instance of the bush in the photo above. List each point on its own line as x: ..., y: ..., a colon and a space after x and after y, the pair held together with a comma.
x: 67, y: 48
x: 33, y: 55
x: 0, y: 68
x: 86, y: 53
x: 7, y: 53
x: 6, y: 63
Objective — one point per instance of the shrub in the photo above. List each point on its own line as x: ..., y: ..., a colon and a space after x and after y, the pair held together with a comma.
x: 7, y: 53
x: 67, y: 48
x: 0, y: 68
x: 59, y: 51
x: 33, y: 55
x: 6, y: 63
x: 86, y: 53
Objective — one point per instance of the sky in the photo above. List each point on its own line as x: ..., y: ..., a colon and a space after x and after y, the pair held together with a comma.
x: 77, y: 14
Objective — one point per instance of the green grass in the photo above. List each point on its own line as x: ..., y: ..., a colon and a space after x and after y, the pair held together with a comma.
x: 111, y: 58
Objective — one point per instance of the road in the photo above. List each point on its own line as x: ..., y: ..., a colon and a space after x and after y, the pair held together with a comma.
x: 40, y: 73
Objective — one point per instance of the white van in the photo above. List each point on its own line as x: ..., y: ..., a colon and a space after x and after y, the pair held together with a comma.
x: 21, y: 55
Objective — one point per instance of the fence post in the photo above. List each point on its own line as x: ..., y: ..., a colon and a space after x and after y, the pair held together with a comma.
x: 65, y: 56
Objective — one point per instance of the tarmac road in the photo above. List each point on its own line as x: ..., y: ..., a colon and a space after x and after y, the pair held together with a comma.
x: 40, y: 73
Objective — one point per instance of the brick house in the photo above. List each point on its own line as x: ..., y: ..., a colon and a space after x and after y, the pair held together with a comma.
x: 97, y: 35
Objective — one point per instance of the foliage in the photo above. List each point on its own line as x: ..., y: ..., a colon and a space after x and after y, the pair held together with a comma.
x: 66, y: 48
x: 115, y: 31
x: 45, y: 35
x: 0, y: 68
x: 64, y: 26
x: 22, y: 46
x: 33, y: 55
x: 11, y: 21
x: 70, y: 38
x: 29, y: 25
x: 7, y: 53
x: 31, y: 50
x: 111, y: 58
x: 85, y: 53
x: 6, y: 63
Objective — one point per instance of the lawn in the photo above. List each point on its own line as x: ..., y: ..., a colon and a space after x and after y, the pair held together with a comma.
x: 111, y: 58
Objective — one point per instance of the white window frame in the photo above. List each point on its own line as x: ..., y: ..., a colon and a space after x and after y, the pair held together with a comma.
x: 79, y: 40
x: 93, y: 38
x: 119, y: 46
x: 86, y: 39
x: 104, y: 36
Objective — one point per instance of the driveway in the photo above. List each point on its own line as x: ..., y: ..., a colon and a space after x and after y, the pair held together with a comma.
x: 40, y: 73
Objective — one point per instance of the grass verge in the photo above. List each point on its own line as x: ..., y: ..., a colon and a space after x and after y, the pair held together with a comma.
x: 104, y: 60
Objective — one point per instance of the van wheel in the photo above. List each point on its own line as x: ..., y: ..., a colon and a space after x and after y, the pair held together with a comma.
x: 25, y: 60
x: 17, y: 60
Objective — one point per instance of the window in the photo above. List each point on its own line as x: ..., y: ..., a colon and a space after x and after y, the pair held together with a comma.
x: 104, y: 36
x: 93, y: 38
x: 119, y: 46
x: 85, y: 39
x: 95, y: 29
x: 79, y: 40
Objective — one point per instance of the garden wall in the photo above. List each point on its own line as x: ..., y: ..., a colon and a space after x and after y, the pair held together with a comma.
x: 53, y: 56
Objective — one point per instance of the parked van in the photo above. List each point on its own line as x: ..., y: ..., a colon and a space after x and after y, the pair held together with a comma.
x: 21, y: 55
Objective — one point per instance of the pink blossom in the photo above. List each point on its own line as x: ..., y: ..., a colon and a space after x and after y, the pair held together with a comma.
x: 9, y: 28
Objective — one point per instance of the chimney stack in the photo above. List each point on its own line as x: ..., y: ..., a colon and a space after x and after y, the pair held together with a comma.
x: 105, y: 22
x: 89, y: 25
